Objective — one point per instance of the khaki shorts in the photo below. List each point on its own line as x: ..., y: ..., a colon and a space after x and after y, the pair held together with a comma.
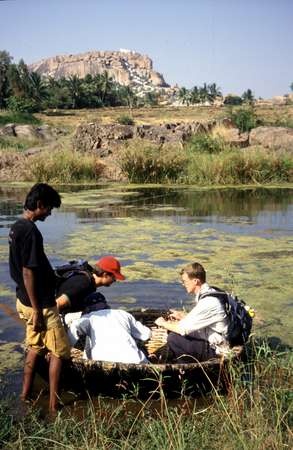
x: 54, y: 339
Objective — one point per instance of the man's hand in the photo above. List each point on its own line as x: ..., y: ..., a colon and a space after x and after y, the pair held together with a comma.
x: 176, y: 315
x: 160, y: 321
x: 38, y: 320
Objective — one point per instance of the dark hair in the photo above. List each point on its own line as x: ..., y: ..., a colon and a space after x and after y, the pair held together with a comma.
x: 195, y: 270
x: 42, y: 192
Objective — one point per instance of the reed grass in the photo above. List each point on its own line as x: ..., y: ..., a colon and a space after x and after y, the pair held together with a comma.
x: 61, y: 166
x: 234, y: 166
x: 150, y: 163
x: 255, y: 413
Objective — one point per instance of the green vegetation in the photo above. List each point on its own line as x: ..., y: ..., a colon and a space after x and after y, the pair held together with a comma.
x: 199, y: 95
x: 147, y: 163
x: 205, y: 160
x: 245, y: 119
x: 62, y: 166
x: 256, y: 413
x: 206, y: 143
x: 8, y: 143
x: 125, y: 120
x: 18, y: 118
x: 239, y: 167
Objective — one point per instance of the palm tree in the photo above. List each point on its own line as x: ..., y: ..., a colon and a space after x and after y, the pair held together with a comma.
x: 204, y: 93
x: 74, y: 85
x: 214, y: 91
x: 184, y: 96
x: 248, y: 96
x: 5, y: 61
x: 106, y: 85
x: 194, y: 95
x: 38, y: 87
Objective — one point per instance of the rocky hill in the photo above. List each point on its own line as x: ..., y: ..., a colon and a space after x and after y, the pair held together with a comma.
x: 126, y: 67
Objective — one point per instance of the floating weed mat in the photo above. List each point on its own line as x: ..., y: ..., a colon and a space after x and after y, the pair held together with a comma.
x: 156, y: 249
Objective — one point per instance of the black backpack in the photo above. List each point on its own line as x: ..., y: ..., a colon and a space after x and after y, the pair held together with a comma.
x: 239, y: 314
x: 65, y: 271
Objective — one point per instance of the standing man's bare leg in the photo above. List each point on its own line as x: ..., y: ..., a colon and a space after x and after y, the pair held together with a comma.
x: 54, y: 376
x: 28, y: 374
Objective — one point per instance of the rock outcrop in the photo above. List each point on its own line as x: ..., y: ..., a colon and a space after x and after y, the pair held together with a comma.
x: 103, y: 139
x: 273, y: 138
x: 126, y: 67
x: 31, y: 132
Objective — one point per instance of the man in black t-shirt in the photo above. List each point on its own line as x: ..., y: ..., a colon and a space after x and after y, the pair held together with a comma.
x: 35, y: 289
x: 73, y: 291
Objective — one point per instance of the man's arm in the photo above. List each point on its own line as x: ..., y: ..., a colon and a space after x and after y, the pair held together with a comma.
x: 29, y: 284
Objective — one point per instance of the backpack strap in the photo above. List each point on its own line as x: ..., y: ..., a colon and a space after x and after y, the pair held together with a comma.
x: 220, y: 295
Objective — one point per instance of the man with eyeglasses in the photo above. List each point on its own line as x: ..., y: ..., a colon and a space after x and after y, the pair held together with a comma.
x: 73, y: 291
x: 200, y: 334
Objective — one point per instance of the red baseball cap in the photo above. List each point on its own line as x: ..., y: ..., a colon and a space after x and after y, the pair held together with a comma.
x: 111, y: 265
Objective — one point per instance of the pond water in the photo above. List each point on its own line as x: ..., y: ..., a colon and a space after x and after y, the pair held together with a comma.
x: 243, y: 237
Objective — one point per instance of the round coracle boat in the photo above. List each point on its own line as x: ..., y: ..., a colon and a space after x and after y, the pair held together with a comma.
x: 161, y: 374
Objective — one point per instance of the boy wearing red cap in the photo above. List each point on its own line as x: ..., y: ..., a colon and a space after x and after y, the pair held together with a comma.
x: 72, y: 292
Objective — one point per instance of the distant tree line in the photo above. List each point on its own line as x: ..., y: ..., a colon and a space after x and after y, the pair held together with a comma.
x: 209, y: 93
x: 26, y: 91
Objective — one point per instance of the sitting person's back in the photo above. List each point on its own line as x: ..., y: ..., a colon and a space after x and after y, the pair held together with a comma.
x: 111, y: 336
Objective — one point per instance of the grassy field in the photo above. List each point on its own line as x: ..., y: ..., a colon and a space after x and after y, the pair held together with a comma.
x: 255, y: 412
x: 155, y: 115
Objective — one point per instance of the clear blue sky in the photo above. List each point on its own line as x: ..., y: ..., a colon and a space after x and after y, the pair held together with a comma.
x: 238, y: 44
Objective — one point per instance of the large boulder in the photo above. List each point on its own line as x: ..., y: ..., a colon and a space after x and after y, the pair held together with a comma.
x: 8, y: 130
x: 26, y: 131
x: 273, y: 138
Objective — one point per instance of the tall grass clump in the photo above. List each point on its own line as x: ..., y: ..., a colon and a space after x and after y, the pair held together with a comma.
x: 8, y: 143
x: 62, y: 166
x: 150, y: 163
x: 237, y: 166
x: 255, y: 412
x: 207, y: 143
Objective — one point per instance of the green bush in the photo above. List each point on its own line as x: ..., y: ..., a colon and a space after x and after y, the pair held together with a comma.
x: 206, y: 143
x: 23, y: 105
x: 233, y: 100
x: 150, y: 163
x: 244, y: 119
x: 125, y: 120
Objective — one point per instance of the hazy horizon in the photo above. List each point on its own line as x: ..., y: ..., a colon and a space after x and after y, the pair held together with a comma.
x: 238, y: 45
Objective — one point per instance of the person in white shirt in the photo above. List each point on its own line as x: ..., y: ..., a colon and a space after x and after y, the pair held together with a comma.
x: 200, y: 334
x: 111, y: 335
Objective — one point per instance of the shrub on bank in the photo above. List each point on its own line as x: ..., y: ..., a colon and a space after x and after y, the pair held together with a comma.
x: 150, y: 163
x: 62, y: 166
x: 239, y: 167
x: 206, y: 143
x: 125, y: 120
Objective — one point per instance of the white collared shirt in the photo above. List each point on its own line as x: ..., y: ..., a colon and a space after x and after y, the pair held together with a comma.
x: 209, y: 318
x: 111, y: 336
